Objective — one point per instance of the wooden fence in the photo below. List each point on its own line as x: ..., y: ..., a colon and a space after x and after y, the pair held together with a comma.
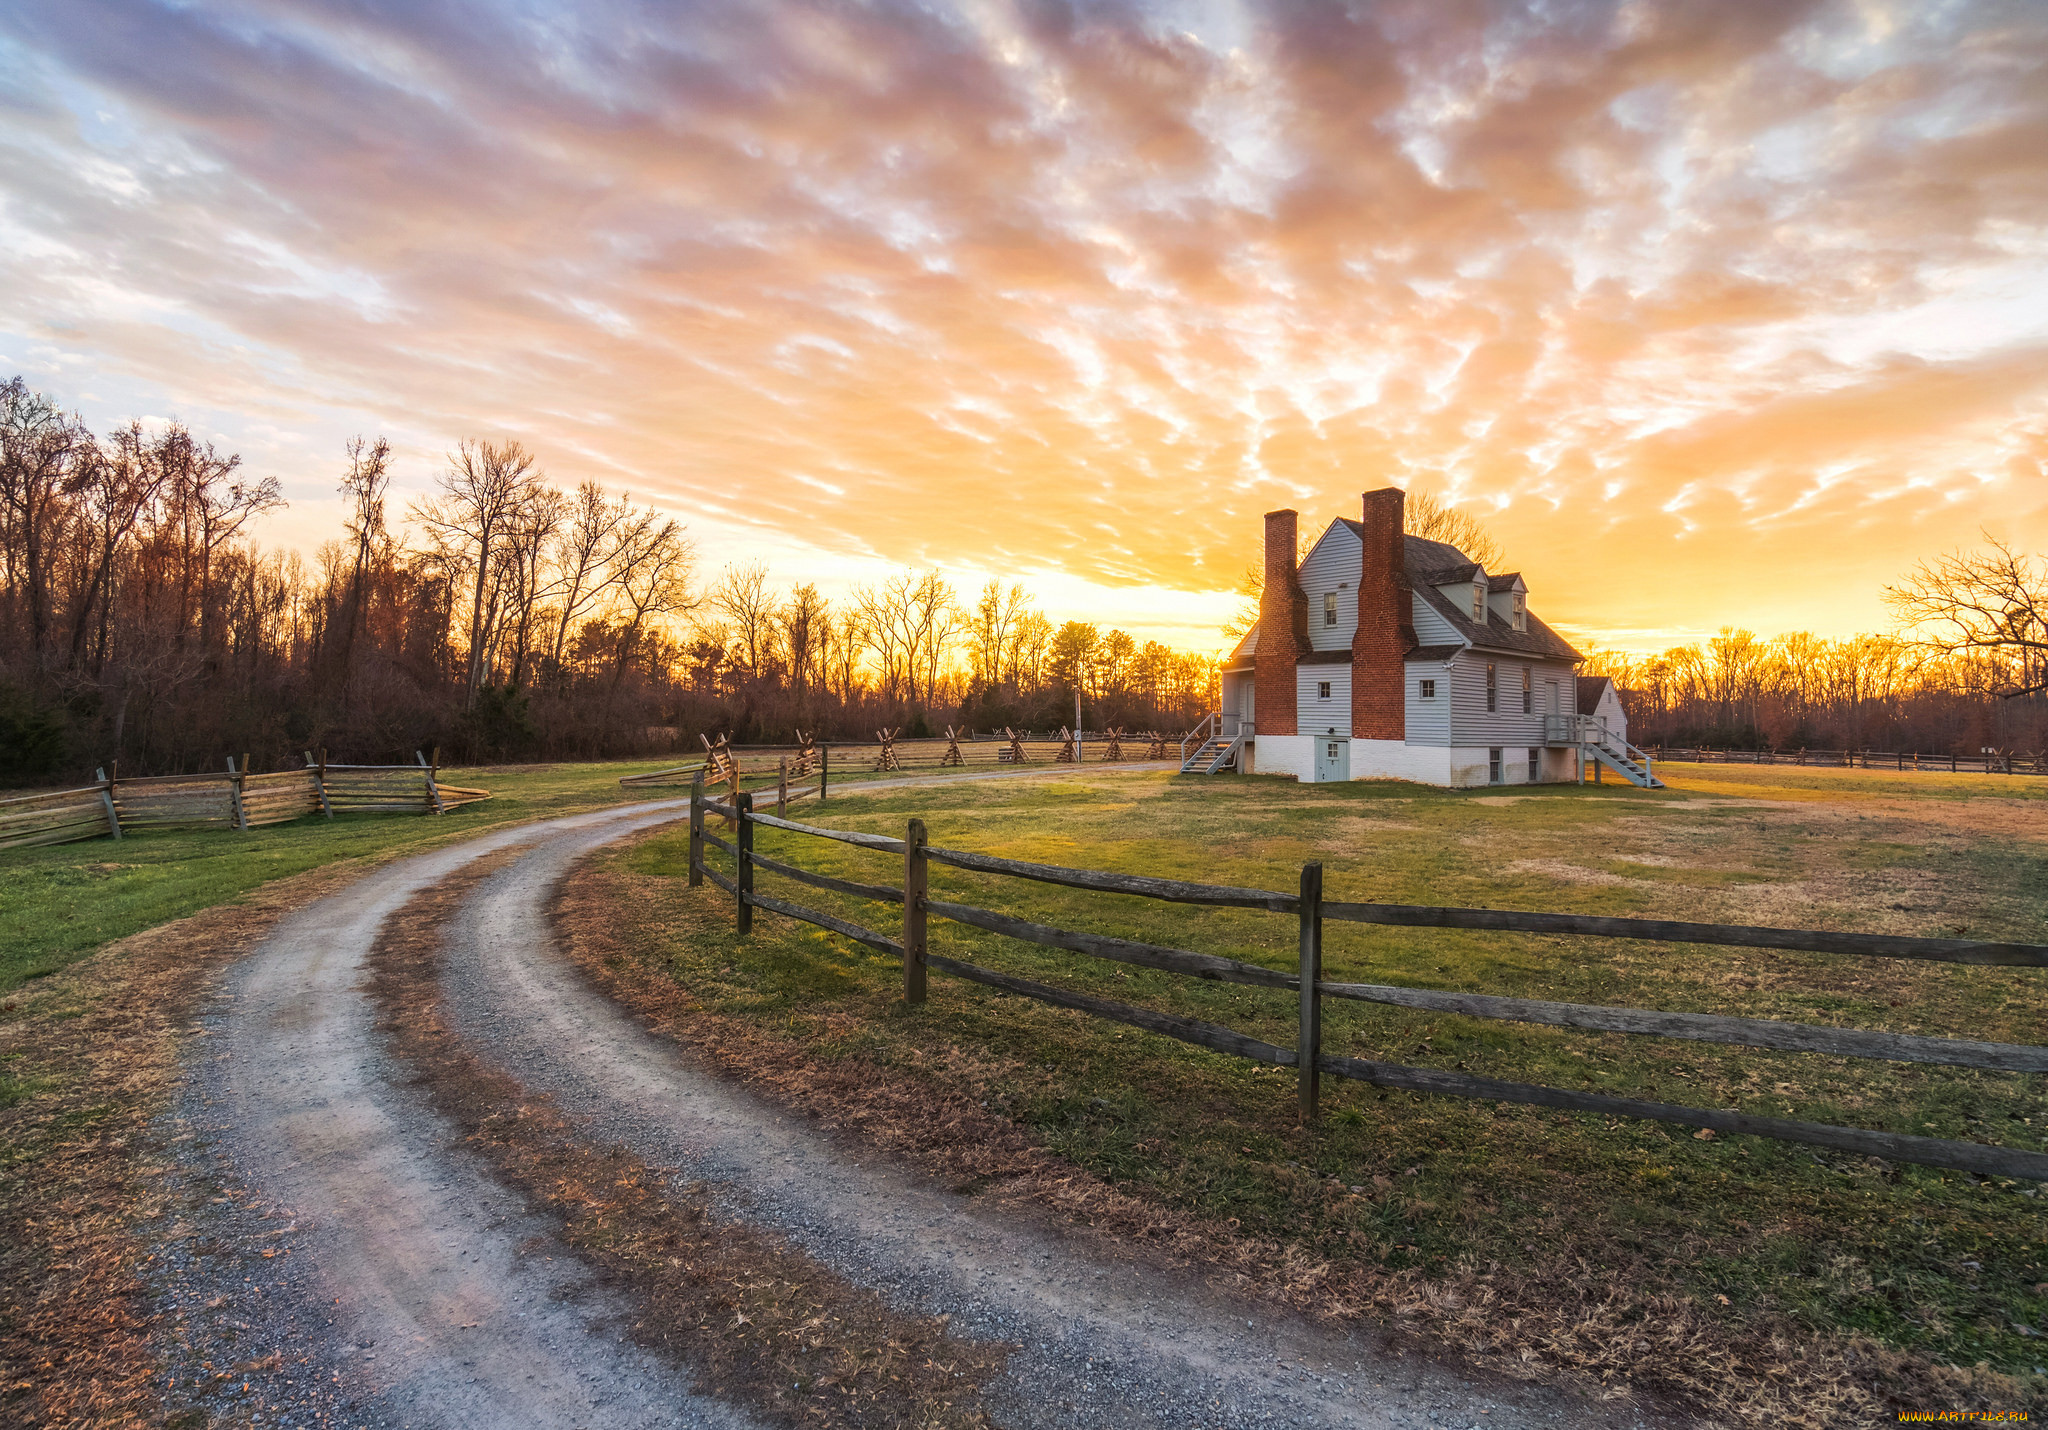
x: 1995, y: 762
x: 850, y: 757
x: 112, y: 806
x: 1311, y: 911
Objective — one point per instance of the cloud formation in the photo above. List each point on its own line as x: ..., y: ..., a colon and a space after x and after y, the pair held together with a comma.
x: 1728, y: 311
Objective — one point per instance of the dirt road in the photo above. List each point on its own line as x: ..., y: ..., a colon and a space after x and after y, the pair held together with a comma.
x: 351, y: 1262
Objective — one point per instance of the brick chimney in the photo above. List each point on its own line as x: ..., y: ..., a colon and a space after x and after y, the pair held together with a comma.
x: 1385, y: 622
x: 1282, y: 613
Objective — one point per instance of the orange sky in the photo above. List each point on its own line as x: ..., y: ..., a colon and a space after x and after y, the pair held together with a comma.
x: 1721, y: 312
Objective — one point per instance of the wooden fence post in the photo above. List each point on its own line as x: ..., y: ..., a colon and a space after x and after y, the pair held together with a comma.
x: 107, y: 798
x: 743, y: 805
x: 915, y: 882
x: 433, y: 788
x: 824, y: 770
x: 697, y: 830
x: 782, y: 789
x: 1308, y: 1045
x: 235, y: 778
x: 325, y: 808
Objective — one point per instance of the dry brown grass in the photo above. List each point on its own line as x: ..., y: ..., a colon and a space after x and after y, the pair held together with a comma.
x: 95, y: 1050
x: 752, y: 1318
x: 1606, y: 1319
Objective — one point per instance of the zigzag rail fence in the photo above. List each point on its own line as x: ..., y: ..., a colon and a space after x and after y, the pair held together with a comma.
x: 113, y: 806
x: 1311, y: 911
x: 759, y: 762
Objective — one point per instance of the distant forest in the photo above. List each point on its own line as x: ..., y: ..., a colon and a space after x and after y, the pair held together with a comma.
x: 502, y: 619
x: 1802, y: 691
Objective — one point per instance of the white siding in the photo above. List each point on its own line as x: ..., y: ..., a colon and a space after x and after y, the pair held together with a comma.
x: 1473, y: 724
x: 1433, y: 629
x: 1428, y: 721
x: 1331, y: 565
x: 1314, y: 713
x: 1609, y: 710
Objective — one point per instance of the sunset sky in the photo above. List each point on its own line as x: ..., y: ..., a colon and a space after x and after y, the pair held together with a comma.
x: 1717, y: 312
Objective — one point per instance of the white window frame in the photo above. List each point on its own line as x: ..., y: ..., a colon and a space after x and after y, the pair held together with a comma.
x: 1428, y: 690
x: 1329, y: 608
x: 1322, y: 690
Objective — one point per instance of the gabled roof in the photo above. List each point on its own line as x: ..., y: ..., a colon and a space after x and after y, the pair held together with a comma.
x: 1495, y: 633
x: 1426, y: 563
x: 1241, y: 657
x: 1591, y: 688
x: 1506, y: 581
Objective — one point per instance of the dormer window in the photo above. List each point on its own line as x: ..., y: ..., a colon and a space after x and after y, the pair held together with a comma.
x: 1479, y: 601
x: 1521, y: 611
x: 1329, y: 608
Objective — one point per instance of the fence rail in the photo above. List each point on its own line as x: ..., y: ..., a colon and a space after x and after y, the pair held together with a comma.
x: 761, y: 763
x: 113, y: 806
x: 1310, y: 911
x: 1988, y: 762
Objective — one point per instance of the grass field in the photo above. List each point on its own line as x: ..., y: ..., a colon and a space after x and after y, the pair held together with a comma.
x: 60, y: 902
x: 1945, y: 1266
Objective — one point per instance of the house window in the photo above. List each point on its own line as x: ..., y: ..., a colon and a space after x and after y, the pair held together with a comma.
x: 1528, y: 696
x: 1478, y: 601
x: 1322, y: 690
x: 1493, y: 775
x: 1535, y: 763
x: 1329, y: 608
x: 1492, y: 688
x: 1429, y: 690
x: 1521, y: 611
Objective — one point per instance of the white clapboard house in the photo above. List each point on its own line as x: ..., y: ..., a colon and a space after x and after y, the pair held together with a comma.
x: 1385, y: 656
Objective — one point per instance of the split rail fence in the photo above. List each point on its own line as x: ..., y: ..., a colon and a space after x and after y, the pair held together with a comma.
x: 1991, y: 762
x: 845, y: 758
x: 112, y: 806
x: 1312, y: 911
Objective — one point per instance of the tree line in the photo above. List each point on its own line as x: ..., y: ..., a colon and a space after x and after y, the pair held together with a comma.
x: 500, y: 618
x: 1964, y: 670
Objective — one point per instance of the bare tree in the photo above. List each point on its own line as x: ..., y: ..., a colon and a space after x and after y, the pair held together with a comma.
x: 743, y: 598
x: 991, y: 626
x: 1433, y: 519
x: 481, y: 494
x: 529, y: 538
x: 933, y: 624
x: 1991, y: 602
x: 120, y: 487
x: 805, y: 631
x: 363, y: 486
x: 595, y: 530
x: 653, y: 582
x: 44, y: 457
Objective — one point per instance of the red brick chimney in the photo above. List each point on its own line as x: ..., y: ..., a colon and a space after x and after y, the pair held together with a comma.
x: 1282, y: 612
x: 1385, y: 622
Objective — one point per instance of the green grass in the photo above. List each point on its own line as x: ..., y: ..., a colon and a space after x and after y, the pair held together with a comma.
x: 60, y: 902
x: 1937, y: 1262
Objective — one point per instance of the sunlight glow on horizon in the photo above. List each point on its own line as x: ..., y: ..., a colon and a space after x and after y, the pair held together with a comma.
x: 1716, y: 314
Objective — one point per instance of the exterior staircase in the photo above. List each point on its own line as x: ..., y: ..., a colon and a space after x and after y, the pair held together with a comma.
x: 1601, y: 747
x: 1212, y: 746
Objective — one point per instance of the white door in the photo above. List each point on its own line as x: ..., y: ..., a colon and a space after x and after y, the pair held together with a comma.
x: 1333, y: 760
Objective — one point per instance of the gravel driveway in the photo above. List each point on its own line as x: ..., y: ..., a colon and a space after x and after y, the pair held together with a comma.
x: 348, y: 1262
